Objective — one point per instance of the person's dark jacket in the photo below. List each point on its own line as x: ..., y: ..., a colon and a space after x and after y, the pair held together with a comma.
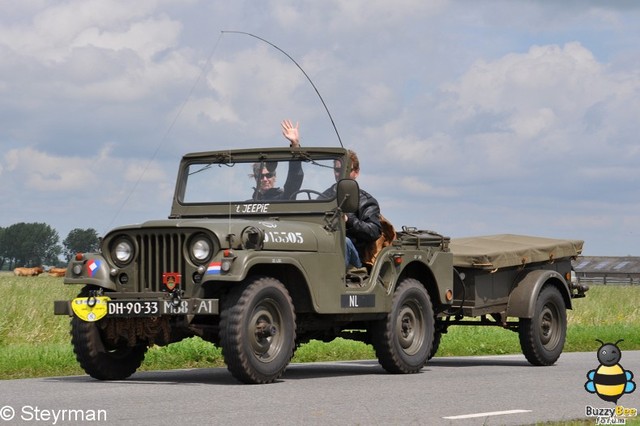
x: 295, y: 175
x: 363, y: 226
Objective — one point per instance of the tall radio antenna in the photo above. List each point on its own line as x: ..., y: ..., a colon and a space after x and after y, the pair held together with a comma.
x: 300, y: 68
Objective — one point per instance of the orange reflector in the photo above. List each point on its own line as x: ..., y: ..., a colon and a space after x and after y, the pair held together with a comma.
x: 449, y: 295
x: 79, y: 256
x: 397, y: 260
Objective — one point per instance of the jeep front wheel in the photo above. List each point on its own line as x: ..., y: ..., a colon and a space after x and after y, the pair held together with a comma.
x: 542, y: 336
x: 403, y: 339
x: 258, y: 331
x: 99, y: 357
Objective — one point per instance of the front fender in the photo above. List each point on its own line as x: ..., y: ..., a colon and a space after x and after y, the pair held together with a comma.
x: 522, y: 300
x: 91, y: 269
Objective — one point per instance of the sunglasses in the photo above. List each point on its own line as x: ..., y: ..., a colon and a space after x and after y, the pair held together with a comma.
x: 266, y: 175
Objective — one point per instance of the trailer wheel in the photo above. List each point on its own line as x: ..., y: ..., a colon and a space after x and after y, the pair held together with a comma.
x: 542, y: 336
x: 258, y: 331
x: 403, y: 339
x: 100, y: 358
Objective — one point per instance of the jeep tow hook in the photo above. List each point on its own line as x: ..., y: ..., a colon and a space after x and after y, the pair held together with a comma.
x: 176, y: 298
x: 92, y: 299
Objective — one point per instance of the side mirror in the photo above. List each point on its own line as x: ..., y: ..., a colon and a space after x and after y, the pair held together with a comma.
x: 348, y: 193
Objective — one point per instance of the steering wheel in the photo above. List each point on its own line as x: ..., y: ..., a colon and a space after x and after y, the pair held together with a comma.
x: 306, y: 191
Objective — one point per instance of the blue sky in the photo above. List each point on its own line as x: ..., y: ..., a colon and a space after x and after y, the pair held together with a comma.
x: 470, y: 118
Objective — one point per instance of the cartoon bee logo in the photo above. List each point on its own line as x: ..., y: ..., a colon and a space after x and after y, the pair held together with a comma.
x: 610, y: 381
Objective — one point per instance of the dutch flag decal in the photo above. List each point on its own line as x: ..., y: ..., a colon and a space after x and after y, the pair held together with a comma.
x: 214, y: 268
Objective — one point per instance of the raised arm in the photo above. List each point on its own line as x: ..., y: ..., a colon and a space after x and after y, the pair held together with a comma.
x: 291, y: 132
x: 295, y: 174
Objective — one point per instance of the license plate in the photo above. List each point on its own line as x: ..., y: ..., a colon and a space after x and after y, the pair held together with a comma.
x: 92, y: 309
x: 133, y: 308
x: 152, y: 308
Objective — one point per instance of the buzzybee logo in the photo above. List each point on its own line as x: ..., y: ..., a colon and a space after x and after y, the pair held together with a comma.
x: 610, y: 381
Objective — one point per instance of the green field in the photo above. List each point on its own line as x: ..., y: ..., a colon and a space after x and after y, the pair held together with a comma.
x: 35, y: 343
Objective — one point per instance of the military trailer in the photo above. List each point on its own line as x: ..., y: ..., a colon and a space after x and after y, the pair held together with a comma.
x: 258, y: 274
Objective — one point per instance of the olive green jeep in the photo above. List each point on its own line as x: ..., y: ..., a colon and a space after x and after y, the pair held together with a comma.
x: 260, y: 272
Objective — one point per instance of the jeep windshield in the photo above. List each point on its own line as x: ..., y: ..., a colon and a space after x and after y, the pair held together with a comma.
x: 274, y: 176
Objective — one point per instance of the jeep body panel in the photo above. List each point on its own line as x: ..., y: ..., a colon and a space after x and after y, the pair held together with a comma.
x: 310, y: 255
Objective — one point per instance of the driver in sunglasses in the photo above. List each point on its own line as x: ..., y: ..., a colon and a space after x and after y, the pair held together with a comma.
x: 265, y: 172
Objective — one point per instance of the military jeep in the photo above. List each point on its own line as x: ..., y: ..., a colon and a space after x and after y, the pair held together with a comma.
x: 258, y: 276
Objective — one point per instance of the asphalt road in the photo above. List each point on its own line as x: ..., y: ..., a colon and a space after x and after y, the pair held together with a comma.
x: 491, y: 390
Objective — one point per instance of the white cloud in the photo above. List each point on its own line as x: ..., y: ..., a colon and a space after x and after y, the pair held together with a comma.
x: 544, y: 100
x: 98, y: 49
x: 423, y: 153
x: 71, y: 191
x: 206, y: 109
x: 361, y: 13
x: 531, y: 124
x: 52, y: 32
x: 133, y: 80
x: 416, y: 186
x: 377, y: 102
x: 553, y: 77
x: 147, y: 172
x: 257, y: 71
x: 347, y: 16
x: 41, y: 172
x: 35, y: 170
x: 146, y: 37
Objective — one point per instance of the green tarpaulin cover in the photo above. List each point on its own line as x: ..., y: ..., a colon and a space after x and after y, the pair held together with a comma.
x: 504, y: 250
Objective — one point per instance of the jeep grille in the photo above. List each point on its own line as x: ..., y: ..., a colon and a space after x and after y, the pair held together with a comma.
x: 159, y: 252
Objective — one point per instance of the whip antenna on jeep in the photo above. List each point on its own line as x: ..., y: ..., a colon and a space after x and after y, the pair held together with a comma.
x: 300, y: 68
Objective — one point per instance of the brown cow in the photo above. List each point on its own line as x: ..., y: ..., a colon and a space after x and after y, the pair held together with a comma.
x: 28, y: 272
x: 57, y: 272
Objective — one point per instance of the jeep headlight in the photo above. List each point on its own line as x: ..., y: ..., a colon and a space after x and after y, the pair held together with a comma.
x: 122, y: 251
x: 201, y: 249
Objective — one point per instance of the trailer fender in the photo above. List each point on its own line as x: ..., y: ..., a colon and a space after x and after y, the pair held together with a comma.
x: 523, y: 297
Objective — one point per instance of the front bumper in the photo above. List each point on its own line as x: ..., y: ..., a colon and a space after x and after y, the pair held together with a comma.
x: 121, y: 305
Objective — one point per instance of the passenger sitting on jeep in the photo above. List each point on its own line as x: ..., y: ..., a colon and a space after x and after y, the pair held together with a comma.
x: 265, y: 172
x: 363, y: 226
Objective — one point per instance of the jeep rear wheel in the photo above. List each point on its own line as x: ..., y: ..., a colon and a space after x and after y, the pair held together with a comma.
x: 403, y: 339
x: 258, y: 331
x: 100, y: 358
x: 542, y: 336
